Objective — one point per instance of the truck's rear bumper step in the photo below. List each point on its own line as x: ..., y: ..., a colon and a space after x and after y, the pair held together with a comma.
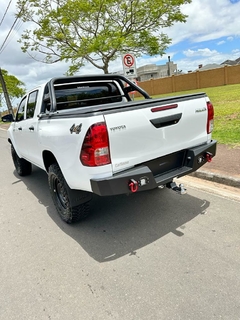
x: 148, y: 175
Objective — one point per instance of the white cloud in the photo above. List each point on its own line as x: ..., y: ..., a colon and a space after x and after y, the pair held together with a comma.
x: 153, y: 60
x: 236, y: 52
x: 207, y: 20
x: 200, y: 52
x: 220, y: 42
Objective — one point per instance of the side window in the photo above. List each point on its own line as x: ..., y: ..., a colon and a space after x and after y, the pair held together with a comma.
x: 20, y: 112
x: 31, y: 104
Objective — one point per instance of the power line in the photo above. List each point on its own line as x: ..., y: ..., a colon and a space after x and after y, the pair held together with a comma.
x: 1, y: 48
x: 10, y: 31
x: 5, y: 12
x: 10, y: 37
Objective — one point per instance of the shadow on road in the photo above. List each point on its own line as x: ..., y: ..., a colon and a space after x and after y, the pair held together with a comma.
x: 120, y: 225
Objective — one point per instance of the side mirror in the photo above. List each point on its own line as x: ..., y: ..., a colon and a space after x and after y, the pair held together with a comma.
x: 8, y: 118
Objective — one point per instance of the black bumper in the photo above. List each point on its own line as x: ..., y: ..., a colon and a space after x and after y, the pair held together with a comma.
x: 156, y: 172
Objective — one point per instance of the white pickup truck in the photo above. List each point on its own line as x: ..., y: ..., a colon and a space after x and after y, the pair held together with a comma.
x: 91, y: 138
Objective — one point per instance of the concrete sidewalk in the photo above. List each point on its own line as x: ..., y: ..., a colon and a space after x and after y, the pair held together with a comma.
x: 224, y: 168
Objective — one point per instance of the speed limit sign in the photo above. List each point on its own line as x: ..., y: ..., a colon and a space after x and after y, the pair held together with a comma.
x: 129, y: 65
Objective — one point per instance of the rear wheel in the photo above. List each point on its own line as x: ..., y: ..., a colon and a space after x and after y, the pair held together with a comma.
x: 23, y: 167
x: 59, y: 192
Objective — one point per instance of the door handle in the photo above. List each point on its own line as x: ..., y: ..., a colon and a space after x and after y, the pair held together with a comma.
x: 20, y: 128
x: 31, y: 128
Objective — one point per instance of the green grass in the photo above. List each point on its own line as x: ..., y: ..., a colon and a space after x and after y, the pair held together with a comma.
x: 226, y: 102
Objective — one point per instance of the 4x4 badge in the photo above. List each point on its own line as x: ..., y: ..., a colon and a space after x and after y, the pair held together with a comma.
x: 76, y: 129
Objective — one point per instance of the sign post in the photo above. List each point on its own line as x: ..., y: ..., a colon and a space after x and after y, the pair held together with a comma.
x: 129, y: 65
x: 129, y: 68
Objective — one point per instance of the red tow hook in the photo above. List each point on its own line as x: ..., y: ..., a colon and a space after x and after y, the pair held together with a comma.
x: 133, y: 185
x: 209, y: 156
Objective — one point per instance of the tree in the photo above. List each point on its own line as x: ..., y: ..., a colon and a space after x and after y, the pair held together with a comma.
x: 97, y: 31
x: 13, y: 88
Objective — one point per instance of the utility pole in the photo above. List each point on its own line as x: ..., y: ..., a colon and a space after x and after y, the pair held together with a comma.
x: 5, y: 92
x: 169, y: 71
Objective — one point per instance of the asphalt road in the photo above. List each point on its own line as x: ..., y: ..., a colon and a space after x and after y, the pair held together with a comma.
x: 154, y: 255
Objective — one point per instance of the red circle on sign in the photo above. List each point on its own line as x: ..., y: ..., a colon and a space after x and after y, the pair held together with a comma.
x: 128, y: 60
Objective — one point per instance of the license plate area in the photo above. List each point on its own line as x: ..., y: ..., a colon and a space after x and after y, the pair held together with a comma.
x: 167, y: 163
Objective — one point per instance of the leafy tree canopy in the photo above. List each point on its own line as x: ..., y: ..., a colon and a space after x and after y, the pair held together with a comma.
x: 15, y: 87
x: 97, y: 31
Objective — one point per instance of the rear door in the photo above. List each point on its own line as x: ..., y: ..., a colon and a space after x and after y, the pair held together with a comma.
x: 31, y: 134
x: 162, y: 128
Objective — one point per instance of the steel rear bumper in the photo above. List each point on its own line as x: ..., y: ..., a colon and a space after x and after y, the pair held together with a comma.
x: 145, y: 177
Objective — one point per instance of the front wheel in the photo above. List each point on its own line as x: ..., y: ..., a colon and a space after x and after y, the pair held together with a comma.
x: 59, y: 192
x: 23, y: 167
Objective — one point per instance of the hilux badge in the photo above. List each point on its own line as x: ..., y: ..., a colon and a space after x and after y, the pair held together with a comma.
x: 200, y: 110
x: 76, y: 129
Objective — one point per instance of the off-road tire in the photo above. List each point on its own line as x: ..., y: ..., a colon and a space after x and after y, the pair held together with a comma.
x: 59, y: 192
x: 23, y: 167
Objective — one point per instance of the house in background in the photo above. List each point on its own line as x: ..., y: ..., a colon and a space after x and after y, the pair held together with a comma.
x: 153, y: 71
x: 215, y: 65
x: 231, y: 62
x: 208, y: 66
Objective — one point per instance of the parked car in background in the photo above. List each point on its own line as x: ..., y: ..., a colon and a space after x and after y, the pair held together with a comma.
x: 7, y: 118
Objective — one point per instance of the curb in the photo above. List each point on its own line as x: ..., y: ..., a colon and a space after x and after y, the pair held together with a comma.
x: 217, y: 177
x: 4, y: 127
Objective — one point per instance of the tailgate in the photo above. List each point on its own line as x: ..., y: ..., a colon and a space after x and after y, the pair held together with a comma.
x: 143, y: 133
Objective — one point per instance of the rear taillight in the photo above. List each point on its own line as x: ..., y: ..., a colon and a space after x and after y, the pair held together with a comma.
x: 210, y: 118
x: 95, y: 148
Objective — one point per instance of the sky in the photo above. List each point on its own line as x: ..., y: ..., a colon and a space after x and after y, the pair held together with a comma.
x: 210, y: 35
